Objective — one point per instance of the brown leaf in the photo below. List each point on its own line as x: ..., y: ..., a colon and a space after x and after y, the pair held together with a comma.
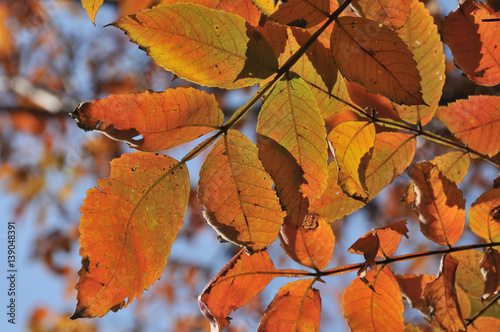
x: 391, y: 13
x: 388, y: 66
x: 412, y: 288
x: 311, y: 244
x: 441, y: 297
x: 379, y: 310
x: 438, y: 203
x: 490, y: 268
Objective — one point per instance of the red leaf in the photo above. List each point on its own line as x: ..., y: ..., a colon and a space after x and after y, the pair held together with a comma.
x: 439, y: 204
x: 127, y: 227
x: 490, y: 268
x: 296, y: 308
x: 475, y: 122
x: 229, y: 289
x: 311, y: 244
x: 379, y: 310
x: 164, y: 119
x: 388, y: 67
x: 474, y: 42
x: 441, y: 297
x: 237, y: 194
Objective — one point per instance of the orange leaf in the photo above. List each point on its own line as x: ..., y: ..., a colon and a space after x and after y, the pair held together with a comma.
x: 92, y: 6
x: 482, y: 324
x: 296, y: 307
x: 299, y: 13
x: 412, y: 287
x: 475, y: 122
x: 219, y: 49
x: 441, y: 297
x: 237, y: 194
x: 490, y: 269
x: 439, y: 204
x: 229, y: 289
x: 164, y: 119
x: 311, y: 244
x: 128, y: 225
x: 380, y: 242
x: 290, y: 116
x: 243, y: 8
x: 468, y: 275
x: 482, y: 219
x: 473, y: 42
x: 335, y: 204
x: 391, y: 13
x: 392, y: 154
x: 379, y: 310
x: 353, y: 142
x: 386, y: 65
x: 421, y: 35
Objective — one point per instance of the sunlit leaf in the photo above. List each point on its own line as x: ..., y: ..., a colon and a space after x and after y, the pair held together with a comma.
x: 352, y: 142
x: 92, y: 6
x: 335, y: 204
x: 164, y: 119
x: 385, y: 65
x: 220, y: 50
x: 463, y: 303
x: 243, y: 8
x: 412, y: 288
x: 441, y: 297
x: 439, y: 204
x: 482, y: 324
x: 379, y: 310
x: 380, y: 242
x: 128, y: 225
x: 468, y: 275
x: 229, y: 289
x: 474, y: 42
x: 299, y: 13
x: 391, y: 13
x: 475, y: 122
x: 421, y: 35
x: 237, y: 194
x: 296, y: 308
x: 482, y: 217
x: 490, y: 269
x: 311, y: 244
x: 290, y: 116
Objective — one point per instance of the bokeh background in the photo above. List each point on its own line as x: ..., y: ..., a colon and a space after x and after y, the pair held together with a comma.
x: 52, y: 58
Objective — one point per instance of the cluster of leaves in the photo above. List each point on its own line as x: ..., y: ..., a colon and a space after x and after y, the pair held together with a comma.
x: 285, y: 186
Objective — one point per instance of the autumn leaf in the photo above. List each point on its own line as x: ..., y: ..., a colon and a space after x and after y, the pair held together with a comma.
x: 473, y: 42
x: 296, y: 307
x: 391, y: 13
x: 388, y: 67
x: 299, y: 13
x: 352, y: 142
x: 229, y: 289
x: 220, y: 50
x: 484, y: 324
x: 92, y: 6
x: 290, y: 116
x: 380, y: 242
x: 468, y: 275
x: 311, y: 244
x: 438, y: 203
x: 243, y: 8
x: 474, y: 122
x: 128, y: 225
x: 490, y: 269
x: 412, y: 288
x: 441, y: 297
x: 379, y: 310
x: 164, y: 119
x: 424, y: 42
x: 237, y: 194
x: 482, y: 218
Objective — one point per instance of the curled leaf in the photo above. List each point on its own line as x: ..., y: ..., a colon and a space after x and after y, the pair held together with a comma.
x: 490, y: 269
